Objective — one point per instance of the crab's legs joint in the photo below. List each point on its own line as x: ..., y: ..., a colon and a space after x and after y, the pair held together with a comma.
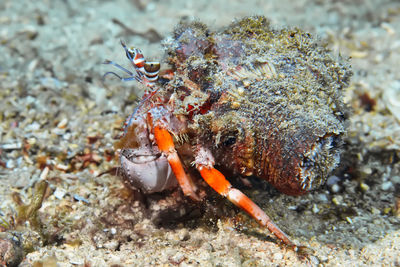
x: 166, y: 145
x: 216, y: 180
x: 205, y: 165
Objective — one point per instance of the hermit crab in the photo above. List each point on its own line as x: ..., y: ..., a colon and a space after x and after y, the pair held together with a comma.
x: 248, y: 99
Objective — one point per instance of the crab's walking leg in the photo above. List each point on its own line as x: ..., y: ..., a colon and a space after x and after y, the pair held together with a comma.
x: 218, y: 182
x: 166, y: 145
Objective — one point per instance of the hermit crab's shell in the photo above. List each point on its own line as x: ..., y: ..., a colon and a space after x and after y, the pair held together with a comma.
x: 275, y: 96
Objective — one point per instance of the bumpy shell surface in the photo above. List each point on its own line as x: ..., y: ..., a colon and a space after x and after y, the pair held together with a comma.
x: 269, y: 102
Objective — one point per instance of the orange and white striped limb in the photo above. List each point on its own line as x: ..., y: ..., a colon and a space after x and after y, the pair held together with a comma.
x: 219, y: 183
x: 166, y: 145
x: 215, y: 179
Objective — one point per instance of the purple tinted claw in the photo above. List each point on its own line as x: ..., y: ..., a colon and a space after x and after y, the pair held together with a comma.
x: 147, y: 171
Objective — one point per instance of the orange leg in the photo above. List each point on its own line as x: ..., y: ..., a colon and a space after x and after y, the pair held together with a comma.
x: 216, y: 180
x: 219, y: 183
x: 166, y: 144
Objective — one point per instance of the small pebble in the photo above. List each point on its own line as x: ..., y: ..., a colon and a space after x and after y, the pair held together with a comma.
x: 335, y: 188
x: 396, y: 179
x: 322, y: 198
x: 364, y: 187
x: 278, y: 256
x: 80, y: 198
x: 337, y: 200
x: 111, y: 245
x: 315, y: 209
x: 76, y: 262
x: 59, y: 193
x: 178, y: 257
x: 366, y: 170
x: 332, y: 182
x: 323, y: 258
x: 389, y: 28
x: 375, y: 211
x: 31, y: 141
x: 58, y: 131
x: 183, y: 234
x: 387, y: 210
x: 314, y: 260
x: 63, y: 123
x: 113, y: 231
x: 32, y: 66
x: 11, y: 146
x: 34, y: 126
x: 10, y: 164
x: 386, y: 186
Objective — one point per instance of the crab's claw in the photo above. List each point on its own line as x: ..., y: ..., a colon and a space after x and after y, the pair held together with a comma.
x: 147, y: 171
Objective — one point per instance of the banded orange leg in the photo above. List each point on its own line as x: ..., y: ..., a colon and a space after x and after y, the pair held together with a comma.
x: 166, y: 145
x: 218, y: 182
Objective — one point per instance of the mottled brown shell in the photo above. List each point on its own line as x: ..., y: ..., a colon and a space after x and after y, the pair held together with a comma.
x: 274, y: 100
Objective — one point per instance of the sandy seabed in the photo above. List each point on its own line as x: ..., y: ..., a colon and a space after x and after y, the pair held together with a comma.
x: 58, y: 122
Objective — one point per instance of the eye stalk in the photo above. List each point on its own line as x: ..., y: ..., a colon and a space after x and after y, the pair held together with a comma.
x: 133, y: 53
x: 151, y: 67
x: 130, y: 54
x: 146, y: 72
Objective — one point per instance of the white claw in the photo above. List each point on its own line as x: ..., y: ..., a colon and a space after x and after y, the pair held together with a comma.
x: 148, y: 172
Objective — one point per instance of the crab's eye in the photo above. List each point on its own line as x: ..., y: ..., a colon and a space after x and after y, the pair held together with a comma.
x: 152, y: 66
x: 130, y: 54
x: 230, y: 141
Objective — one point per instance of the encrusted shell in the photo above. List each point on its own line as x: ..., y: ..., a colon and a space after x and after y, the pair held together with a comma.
x: 275, y: 97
